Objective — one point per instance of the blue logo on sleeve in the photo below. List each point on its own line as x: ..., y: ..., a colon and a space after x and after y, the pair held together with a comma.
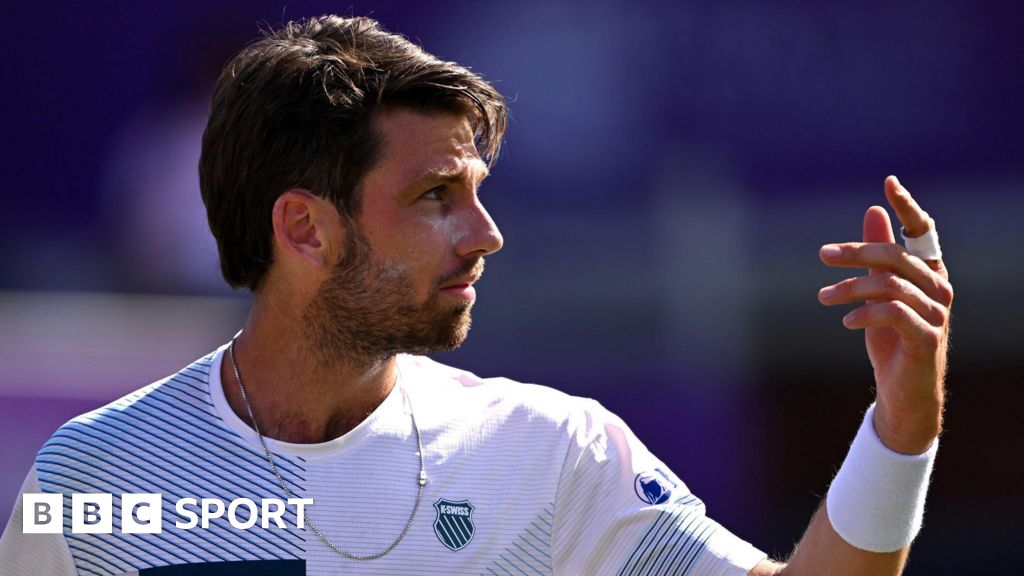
x: 653, y: 487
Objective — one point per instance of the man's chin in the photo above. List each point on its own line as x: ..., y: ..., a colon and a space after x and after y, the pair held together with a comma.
x: 458, y: 332
x: 451, y: 335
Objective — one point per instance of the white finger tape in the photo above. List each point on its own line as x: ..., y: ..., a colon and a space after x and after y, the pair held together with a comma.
x: 925, y: 246
x: 876, y: 501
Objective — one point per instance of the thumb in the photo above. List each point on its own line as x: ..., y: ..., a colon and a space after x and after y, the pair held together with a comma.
x: 878, y: 227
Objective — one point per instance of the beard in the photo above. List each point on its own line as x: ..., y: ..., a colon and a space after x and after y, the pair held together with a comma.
x: 367, y: 310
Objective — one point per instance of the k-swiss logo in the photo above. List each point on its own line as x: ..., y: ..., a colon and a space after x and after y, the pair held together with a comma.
x: 454, y: 524
x: 653, y: 487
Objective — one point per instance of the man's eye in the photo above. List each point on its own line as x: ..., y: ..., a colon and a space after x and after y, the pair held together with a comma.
x: 434, y: 193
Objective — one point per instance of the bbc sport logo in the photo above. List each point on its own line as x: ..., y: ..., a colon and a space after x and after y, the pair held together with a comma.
x: 144, y: 513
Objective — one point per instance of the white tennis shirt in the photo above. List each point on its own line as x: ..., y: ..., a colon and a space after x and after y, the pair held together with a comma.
x: 522, y: 479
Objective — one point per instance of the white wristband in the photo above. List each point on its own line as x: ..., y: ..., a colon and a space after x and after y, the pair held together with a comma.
x: 876, y: 501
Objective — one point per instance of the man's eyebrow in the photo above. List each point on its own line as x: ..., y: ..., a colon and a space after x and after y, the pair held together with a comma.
x: 447, y: 175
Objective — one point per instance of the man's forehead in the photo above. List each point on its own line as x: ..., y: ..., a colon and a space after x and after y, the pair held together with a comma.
x: 421, y: 146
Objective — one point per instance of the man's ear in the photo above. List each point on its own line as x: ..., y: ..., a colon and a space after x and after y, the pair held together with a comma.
x: 307, y: 229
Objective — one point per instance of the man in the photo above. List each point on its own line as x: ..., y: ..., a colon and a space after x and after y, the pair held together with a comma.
x: 340, y: 171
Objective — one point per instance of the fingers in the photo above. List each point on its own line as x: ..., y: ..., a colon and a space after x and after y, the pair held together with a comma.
x: 915, y: 332
x: 877, y: 227
x: 912, y: 217
x: 915, y: 221
x: 892, y: 258
x: 885, y: 286
x: 901, y: 291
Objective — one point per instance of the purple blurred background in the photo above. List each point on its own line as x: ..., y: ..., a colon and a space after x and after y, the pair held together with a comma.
x: 670, y: 172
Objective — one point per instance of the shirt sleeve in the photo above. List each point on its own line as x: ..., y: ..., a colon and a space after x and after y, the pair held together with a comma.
x: 620, y: 510
x: 22, y: 554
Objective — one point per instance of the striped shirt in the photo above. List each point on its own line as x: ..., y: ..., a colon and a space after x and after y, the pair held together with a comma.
x: 522, y: 480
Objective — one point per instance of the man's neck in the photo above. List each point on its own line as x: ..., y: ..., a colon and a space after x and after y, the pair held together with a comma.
x: 295, y: 396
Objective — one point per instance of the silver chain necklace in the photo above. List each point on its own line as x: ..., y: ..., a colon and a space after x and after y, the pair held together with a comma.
x: 421, y: 479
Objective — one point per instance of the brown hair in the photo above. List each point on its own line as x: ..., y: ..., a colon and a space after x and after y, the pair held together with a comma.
x: 295, y: 109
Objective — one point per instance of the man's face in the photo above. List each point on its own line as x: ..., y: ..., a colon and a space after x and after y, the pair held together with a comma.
x: 405, y: 281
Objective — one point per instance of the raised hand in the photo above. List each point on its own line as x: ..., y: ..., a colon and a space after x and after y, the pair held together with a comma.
x: 905, y: 317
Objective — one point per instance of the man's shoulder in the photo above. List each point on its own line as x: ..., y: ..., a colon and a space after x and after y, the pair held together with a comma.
x: 455, y: 394
x: 138, y: 417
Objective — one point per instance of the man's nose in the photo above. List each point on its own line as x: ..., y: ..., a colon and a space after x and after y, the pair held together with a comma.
x: 482, y: 237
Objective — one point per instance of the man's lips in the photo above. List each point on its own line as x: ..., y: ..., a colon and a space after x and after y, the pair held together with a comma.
x: 462, y: 288
x: 461, y: 282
